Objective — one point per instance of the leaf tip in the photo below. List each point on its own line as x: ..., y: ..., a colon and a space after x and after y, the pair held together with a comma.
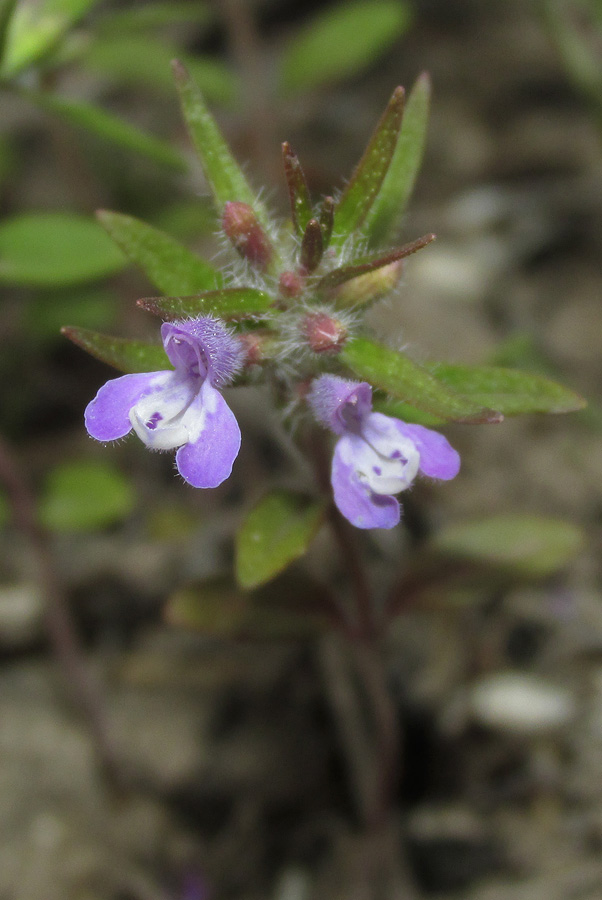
x: 180, y: 72
x: 424, y: 81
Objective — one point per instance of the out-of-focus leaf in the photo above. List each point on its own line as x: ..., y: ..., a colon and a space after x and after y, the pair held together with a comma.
x: 35, y: 28
x: 107, y: 127
x: 391, y: 201
x: 155, y: 15
x: 121, y: 353
x: 534, y: 546
x: 143, y: 60
x: 170, y: 266
x: 85, y: 496
x: 365, y: 183
x: 224, y: 175
x: 289, y: 608
x: 87, y: 308
x: 276, y: 532
x: 229, y: 303
x: 510, y: 391
x: 341, y: 41
x: 53, y: 249
x: 398, y: 375
x: 7, y: 8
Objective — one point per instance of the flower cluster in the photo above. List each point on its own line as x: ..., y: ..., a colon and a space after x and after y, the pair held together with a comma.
x: 376, y: 456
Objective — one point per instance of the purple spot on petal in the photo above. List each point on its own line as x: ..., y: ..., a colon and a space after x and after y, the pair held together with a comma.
x: 396, y: 454
x: 154, y: 421
x: 377, y: 470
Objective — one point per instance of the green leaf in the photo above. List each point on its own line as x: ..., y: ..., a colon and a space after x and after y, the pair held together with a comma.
x: 121, y: 353
x: 155, y: 15
x: 171, y: 267
x: 91, y: 307
x: 107, y: 127
x: 398, y: 375
x: 533, y: 546
x: 7, y: 8
x: 34, y: 30
x: 229, y: 303
x: 276, y: 532
x: 341, y: 41
x: 365, y: 183
x: 223, y: 174
x: 53, y: 249
x: 85, y: 496
x: 405, y: 411
x: 391, y: 201
x: 510, y: 391
x: 142, y: 60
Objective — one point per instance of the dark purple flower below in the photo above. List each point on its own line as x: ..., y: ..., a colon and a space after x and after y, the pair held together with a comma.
x: 376, y: 456
x: 180, y: 408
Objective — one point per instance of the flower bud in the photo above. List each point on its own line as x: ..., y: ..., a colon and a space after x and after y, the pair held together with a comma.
x: 246, y: 234
x: 369, y: 287
x: 290, y: 284
x: 324, y: 334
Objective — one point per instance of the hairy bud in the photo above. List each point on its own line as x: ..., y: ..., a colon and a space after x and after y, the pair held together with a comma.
x: 246, y: 234
x: 324, y: 334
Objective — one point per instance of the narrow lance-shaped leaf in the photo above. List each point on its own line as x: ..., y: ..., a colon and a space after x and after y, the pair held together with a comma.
x: 229, y: 303
x: 301, y: 211
x: 391, y: 201
x: 276, y: 532
x: 346, y: 273
x: 224, y: 175
x: 107, y: 127
x: 510, y: 391
x: 327, y: 220
x: 121, y: 353
x: 400, y: 376
x: 170, y: 266
x: 364, y: 185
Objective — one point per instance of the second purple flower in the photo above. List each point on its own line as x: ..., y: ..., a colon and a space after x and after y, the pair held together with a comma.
x: 376, y: 456
x: 180, y: 408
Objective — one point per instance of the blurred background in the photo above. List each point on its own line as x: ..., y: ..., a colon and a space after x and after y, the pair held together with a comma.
x: 182, y: 762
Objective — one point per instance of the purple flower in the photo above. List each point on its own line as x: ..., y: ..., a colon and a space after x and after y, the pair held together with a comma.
x: 376, y: 456
x: 180, y: 408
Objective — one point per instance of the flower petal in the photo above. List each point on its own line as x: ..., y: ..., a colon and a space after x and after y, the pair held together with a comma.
x: 107, y: 417
x: 355, y: 500
x: 438, y: 459
x: 207, y: 460
x: 339, y: 404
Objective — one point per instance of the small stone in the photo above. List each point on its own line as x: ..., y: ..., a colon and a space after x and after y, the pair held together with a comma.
x: 520, y: 703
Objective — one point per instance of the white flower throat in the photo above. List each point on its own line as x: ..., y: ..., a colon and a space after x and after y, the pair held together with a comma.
x: 389, y: 467
x: 163, y: 420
